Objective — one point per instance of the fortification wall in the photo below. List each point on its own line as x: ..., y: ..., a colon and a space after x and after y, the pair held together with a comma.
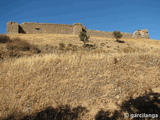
x: 76, y: 28
x: 12, y: 28
x: 99, y: 33
x: 126, y: 35
x: 33, y: 28
x: 106, y: 34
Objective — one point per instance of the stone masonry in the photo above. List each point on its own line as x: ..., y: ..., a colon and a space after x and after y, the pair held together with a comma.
x: 141, y: 34
x: 75, y: 29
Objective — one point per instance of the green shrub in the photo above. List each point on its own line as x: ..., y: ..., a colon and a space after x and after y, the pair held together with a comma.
x: 83, y: 37
x: 117, y: 35
x: 4, y: 39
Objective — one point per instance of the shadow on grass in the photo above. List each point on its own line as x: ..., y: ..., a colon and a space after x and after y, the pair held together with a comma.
x: 147, y: 105
x: 120, y: 41
x: 63, y: 112
x: 107, y: 115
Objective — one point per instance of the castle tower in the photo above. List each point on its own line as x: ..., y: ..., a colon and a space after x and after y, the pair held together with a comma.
x: 77, y: 28
x: 12, y: 28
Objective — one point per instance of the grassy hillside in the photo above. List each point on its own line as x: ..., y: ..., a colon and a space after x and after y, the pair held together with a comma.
x: 81, y: 85
x: 105, y: 43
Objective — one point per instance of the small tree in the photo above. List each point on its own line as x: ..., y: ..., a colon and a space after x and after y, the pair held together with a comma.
x: 83, y: 37
x: 117, y: 35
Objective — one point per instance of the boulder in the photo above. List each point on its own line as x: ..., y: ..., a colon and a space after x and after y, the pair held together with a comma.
x: 141, y: 34
x: 156, y: 90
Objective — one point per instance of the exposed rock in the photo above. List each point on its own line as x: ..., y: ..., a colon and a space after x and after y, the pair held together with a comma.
x: 141, y: 34
x: 156, y: 90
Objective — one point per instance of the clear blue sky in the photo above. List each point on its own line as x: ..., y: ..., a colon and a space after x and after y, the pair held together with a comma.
x: 106, y: 15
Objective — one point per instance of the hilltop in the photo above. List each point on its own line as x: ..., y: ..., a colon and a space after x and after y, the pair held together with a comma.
x: 96, y: 83
x: 107, y: 44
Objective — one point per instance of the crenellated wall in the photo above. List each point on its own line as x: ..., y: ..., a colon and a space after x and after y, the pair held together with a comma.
x: 76, y: 28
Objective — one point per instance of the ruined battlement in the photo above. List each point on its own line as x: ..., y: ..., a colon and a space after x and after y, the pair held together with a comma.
x: 75, y: 29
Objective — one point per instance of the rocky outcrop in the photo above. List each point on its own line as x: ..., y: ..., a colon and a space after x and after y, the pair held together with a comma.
x: 141, y: 34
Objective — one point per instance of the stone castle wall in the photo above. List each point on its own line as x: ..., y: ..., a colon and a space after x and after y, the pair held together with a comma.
x: 76, y: 28
x: 12, y: 28
x: 106, y: 34
x: 33, y: 28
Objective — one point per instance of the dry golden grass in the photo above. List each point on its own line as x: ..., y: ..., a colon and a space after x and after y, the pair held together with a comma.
x: 55, y: 39
x: 16, y: 48
x: 89, y: 79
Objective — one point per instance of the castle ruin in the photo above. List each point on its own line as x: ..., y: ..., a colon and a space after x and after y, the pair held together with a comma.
x: 75, y: 29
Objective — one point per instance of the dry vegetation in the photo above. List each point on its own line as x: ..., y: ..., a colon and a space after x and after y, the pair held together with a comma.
x: 16, y: 47
x: 98, y: 84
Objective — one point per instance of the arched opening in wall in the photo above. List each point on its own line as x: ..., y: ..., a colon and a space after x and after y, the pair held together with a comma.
x: 21, y: 30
